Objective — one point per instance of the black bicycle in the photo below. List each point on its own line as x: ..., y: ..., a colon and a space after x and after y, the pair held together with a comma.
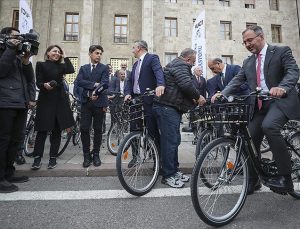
x: 220, y: 175
x: 137, y: 159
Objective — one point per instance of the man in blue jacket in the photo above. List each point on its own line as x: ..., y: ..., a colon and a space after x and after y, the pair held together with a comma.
x: 93, y: 107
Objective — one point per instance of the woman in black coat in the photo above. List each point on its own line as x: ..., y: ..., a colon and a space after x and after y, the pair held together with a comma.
x: 53, y: 106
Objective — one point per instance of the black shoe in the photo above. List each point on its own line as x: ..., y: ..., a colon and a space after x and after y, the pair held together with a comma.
x: 281, y: 184
x: 20, y: 160
x: 87, y: 160
x: 254, y: 185
x: 36, y: 163
x: 96, y: 159
x: 132, y: 162
x: 187, y: 129
x: 6, y: 187
x: 17, y: 179
x: 52, y: 163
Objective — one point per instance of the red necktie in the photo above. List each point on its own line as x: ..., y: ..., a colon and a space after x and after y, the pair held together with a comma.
x: 258, y: 69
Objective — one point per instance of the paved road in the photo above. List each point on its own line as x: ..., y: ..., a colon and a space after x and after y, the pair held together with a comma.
x: 100, y: 202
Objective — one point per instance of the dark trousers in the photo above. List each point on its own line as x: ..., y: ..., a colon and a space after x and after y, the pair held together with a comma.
x: 55, y: 139
x: 269, y: 121
x: 89, y: 114
x: 168, y: 121
x: 11, y: 136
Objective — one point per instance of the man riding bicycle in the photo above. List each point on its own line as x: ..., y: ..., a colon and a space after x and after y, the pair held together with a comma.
x: 274, y: 69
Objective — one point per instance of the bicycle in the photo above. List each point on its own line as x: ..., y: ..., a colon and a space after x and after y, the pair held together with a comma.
x: 220, y: 175
x: 119, y: 127
x: 138, y: 146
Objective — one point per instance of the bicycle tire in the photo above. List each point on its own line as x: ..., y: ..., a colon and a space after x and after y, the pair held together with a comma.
x: 65, y: 144
x: 205, y: 137
x: 29, y: 141
x: 220, y: 213
x: 139, y: 179
x: 295, y: 160
x: 264, y: 147
x: 76, y: 133
x: 114, y: 137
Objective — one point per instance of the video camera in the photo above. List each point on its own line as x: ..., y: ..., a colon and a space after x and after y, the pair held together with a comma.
x: 29, y: 42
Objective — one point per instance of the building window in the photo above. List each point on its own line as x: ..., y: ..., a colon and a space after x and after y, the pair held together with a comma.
x: 224, y: 2
x: 116, y: 63
x: 200, y: 2
x: 171, y: 27
x: 71, y: 27
x: 225, y: 30
x: 250, y: 6
x: 276, y: 33
x: 121, y: 28
x: 274, y: 5
x: 169, y: 57
x: 250, y: 24
x: 227, y: 59
x: 171, y: 1
x: 71, y: 77
x: 15, y: 19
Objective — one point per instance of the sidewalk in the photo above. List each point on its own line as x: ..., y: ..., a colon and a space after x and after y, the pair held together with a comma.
x: 69, y: 164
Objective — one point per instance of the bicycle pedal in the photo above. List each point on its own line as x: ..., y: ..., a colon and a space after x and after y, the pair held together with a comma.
x: 279, y: 192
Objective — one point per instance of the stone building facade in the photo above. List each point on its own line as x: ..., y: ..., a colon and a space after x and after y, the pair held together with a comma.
x: 165, y: 24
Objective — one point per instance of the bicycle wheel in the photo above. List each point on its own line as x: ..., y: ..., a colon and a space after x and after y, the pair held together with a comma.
x: 205, y: 137
x: 114, y: 137
x: 264, y: 147
x: 29, y: 141
x: 76, y: 133
x: 295, y: 161
x: 142, y: 176
x: 218, y: 193
x: 65, y: 139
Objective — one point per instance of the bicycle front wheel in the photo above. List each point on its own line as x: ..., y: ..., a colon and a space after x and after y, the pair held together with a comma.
x: 137, y: 163
x: 218, y: 193
x: 29, y: 141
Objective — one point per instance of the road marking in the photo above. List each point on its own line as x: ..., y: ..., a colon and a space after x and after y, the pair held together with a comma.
x: 104, y: 194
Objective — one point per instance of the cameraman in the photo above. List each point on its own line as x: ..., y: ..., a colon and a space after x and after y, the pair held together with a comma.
x: 17, y: 92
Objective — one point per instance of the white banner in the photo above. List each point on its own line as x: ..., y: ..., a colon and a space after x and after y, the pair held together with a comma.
x: 25, y: 17
x: 198, y: 42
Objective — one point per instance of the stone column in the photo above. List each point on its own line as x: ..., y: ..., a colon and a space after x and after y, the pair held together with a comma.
x: 147, y: 23
x: 86, y: 30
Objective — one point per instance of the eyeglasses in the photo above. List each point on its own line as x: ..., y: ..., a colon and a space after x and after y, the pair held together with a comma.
x: 250, y: 40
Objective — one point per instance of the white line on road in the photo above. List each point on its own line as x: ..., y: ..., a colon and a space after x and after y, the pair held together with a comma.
x: 102, y: 194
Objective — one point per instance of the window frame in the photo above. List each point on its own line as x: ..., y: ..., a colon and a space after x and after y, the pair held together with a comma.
x: 121, y: 39
x: 170, y: 29
x: 71, y: 34
x: 15, y: 22
x: 276, y: 35
x: 224, y: 32
x: 224, y: 3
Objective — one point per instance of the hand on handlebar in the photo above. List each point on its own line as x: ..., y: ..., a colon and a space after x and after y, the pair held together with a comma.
x: 127, y: 98
x: 277, y: 92
x: 215, y: 96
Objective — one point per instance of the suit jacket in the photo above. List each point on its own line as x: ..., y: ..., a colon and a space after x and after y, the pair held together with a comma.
x: 280, y: 70
x: 215, y: 84
x: 87, y: 79
x: 127, y: 73
x: 151, y: 76
x: 114, y: 84
x: 201, y: 86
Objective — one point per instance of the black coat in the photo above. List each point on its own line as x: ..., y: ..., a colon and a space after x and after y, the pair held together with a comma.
x: 53, y: 104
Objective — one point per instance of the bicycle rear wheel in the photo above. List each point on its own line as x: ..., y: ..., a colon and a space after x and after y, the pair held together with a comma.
x: 139, y: 177
x: 76, y: 133
x: 219, y: 193
x: 205, y: 137
x: 114, y: 137
x: 295, y: 161
x: 65, y: 139
x: 29, y: 141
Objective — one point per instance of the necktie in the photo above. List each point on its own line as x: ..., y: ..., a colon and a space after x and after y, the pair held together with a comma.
x: 89, y: 93
x: 136, y: 87
x: 258, y: 69
x: 222, y: 79
x: 93, y: 67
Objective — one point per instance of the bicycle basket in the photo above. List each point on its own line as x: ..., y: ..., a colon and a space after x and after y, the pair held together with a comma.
x: 226, y: 113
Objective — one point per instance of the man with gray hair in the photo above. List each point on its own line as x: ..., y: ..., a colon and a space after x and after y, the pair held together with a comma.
x: 180, y: 96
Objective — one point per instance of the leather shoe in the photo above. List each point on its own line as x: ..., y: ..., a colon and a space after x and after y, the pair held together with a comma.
x: 132, y: 162
x: 87, y: 160
x: 254, y: 185
x: 96, y: 160
x: 281, y: 184
x: 6, y: 187
x: 187, y: 129
x: 17, y: 179
x: 20, y: 160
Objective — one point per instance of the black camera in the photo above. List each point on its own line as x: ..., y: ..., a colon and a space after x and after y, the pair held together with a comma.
x: 29, y: 42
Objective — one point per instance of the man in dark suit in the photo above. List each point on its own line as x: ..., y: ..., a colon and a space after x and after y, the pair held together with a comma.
x: 146, y: 73
x: 224, y: 73
x: 116, y: 85
x: 91, y: 76
x: 274, y: 69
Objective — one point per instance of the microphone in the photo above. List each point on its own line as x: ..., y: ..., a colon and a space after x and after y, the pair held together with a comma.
x: 53, y: 83
x: 100, y: 89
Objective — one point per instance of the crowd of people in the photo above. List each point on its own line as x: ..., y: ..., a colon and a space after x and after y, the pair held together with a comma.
x: 179, y: 87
